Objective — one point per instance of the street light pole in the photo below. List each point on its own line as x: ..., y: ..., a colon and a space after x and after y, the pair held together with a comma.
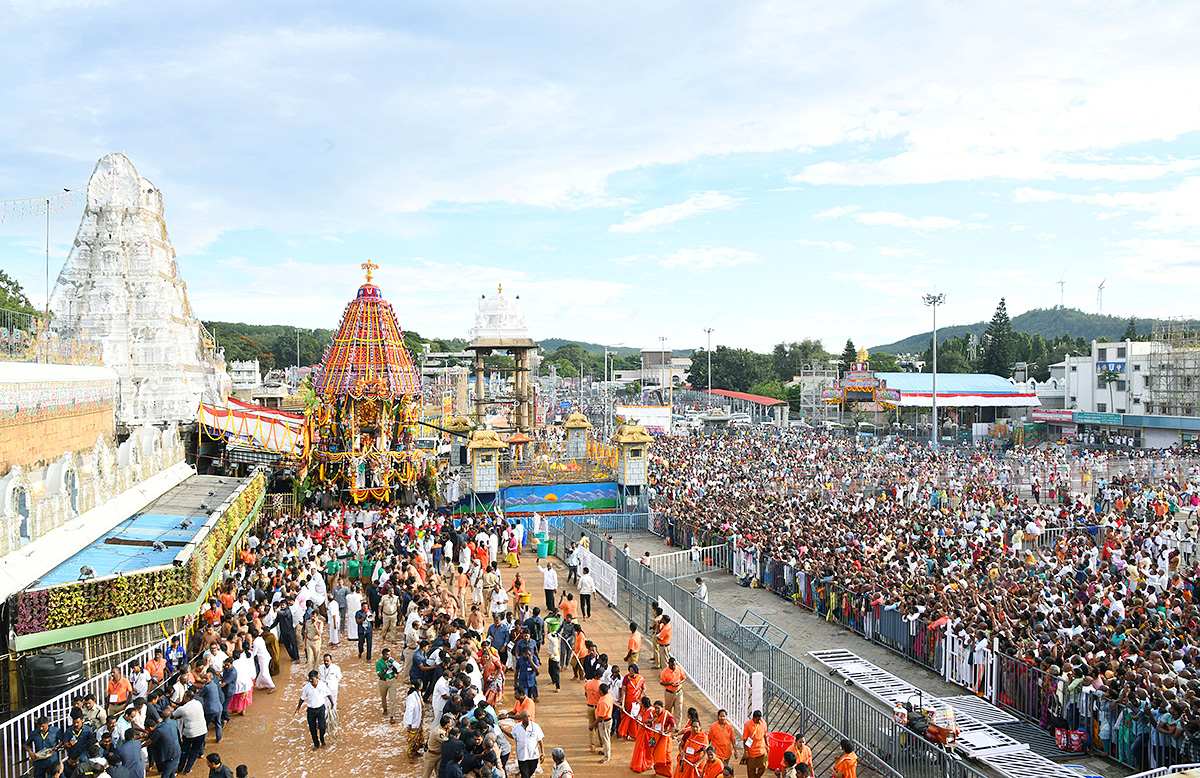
x: 709, y: 332
x: 934, y: 300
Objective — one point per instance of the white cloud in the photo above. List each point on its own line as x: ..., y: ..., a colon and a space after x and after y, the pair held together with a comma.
x: 893, y: 285
x: 889, y: 251
x: 889, y: 219
x: 705, y: 258
x: 1170, y: 210
x: 833, y: 245
x: 655, y: 218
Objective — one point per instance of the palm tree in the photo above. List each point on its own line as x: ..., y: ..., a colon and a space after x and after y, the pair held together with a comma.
x: 1110, y: 377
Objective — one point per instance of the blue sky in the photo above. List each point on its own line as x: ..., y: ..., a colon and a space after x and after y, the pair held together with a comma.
x: 774, y: 170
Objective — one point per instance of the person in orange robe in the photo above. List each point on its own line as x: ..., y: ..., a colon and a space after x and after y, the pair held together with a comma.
x: 662, y: 727
x: 643, y: 757
x: 712, y: 766
x: 692, y: 745
x: 634, y: 686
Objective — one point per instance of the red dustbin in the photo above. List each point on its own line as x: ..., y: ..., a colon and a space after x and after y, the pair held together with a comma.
x: 777, y: 744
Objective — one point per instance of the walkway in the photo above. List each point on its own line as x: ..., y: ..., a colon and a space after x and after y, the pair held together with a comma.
x: 273, y: 740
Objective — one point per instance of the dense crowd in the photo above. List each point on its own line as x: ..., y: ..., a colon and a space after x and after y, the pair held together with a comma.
x: 465, y: 651
x: 1102, y: 606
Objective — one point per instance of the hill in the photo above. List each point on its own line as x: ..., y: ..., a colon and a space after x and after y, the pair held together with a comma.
x: 1047, y: 322
x: 552, y: 344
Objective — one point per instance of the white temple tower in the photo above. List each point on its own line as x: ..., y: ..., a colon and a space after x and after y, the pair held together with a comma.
x: 121, y: 284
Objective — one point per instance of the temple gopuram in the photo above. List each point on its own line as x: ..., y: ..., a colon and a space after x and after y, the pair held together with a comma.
x: 368, y: 396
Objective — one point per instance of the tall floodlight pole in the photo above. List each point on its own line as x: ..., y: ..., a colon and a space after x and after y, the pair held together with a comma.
x: 709, y: 331
x: 934, y: 300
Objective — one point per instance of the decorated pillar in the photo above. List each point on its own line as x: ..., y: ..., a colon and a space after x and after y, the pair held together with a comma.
x: 577, y: 426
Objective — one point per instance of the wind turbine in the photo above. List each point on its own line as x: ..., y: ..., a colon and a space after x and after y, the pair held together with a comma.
x: 1061, y: 284
x: 1100, y: 296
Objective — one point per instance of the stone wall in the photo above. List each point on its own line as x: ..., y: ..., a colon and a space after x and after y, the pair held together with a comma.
x: 36, y: 444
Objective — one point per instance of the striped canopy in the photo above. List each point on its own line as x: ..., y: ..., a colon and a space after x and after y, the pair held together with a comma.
x: 368, y: 357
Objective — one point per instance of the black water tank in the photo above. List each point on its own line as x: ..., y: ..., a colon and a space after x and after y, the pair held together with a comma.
x: 50, y: 673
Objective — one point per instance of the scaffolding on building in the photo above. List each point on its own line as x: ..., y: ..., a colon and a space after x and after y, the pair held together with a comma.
x: 812, y: 379
x: 1174, y: 368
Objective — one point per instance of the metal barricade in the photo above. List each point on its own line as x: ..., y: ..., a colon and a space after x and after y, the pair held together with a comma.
x: 696, y: 561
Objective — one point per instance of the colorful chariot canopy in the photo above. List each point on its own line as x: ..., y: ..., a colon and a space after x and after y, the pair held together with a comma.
x: 367, y: 357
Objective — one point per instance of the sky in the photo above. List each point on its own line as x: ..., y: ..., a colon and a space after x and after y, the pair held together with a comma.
x: 633, y: 171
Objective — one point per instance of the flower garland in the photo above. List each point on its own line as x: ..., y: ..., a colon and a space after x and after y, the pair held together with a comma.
x: 86, y: 602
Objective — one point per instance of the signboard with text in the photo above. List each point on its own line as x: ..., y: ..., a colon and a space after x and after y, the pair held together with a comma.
x: 1110, y: 367
x: 1045, y: 414
x: 1084, y: 417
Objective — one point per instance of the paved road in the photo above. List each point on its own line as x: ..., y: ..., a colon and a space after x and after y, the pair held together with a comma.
x: 807, y: 632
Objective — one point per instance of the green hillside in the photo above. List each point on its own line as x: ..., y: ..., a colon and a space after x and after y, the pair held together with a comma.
x: 1047, y: 322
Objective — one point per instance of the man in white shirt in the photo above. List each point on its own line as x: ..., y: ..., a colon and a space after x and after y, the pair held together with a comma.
x: 701, y: 590
x: 549, y: 584
x: 330, y: 674
x: 139, y: 679
x: 413, y: 714
x: 587, y: 587
x: 315, y: 695
x: 529, y: 745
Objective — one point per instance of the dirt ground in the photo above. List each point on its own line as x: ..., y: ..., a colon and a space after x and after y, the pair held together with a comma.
x: 272, y: 739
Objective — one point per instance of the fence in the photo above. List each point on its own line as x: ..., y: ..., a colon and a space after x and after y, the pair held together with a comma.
x: 695, y: 561
x: 24, y: 338
x: 794, y: 694
x: 15, y: 731
x: 716, y: 675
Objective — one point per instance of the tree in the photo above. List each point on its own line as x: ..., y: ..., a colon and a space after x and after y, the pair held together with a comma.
x: 12, y: 295
x: 736, y: 369
x: 1131, y: 332
x: 787, y: 359
x: 566, y: 369
x: 883, y: 362
x: 849, y: 356
x: 770, y: 388
x: 997, y: 356
x: 1109, y: 378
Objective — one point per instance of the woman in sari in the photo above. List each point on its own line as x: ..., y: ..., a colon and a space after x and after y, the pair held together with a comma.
x: 243, y: 690
x: 272, y: 644
x: 643, y: 749
x: 662, y: 726
x: 692, y: 744
x: 493, y: 679
x: 513, y: 557
x: 633, y: 687
x: 520, y: 597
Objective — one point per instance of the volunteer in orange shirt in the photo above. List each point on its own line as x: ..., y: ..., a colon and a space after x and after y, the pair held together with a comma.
x: 635, y: 643
x: 157, y: 667
x: 803, y: 752
x: 662, y: 648
x: 754, y: 735
x: 118, y: 693
x: 591, y: 690
x: 603, y: 722
x: 672, y: 678
x: 523, y: 704
x: 723, y: 736
x: 567, y: 607
x: 847, y: 765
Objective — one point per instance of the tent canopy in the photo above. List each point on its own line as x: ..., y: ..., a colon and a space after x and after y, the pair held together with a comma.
x: 959, y: 390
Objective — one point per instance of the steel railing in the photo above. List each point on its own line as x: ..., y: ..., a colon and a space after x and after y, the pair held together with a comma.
x: 15, y: 731
x: 639, y: 588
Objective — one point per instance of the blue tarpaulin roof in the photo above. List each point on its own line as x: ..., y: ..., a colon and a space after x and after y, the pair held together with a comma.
x: 109, y: 558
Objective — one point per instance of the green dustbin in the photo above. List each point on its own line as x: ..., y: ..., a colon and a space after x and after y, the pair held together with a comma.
x: 543, y: 549
x: 552, y: 547
x: 553, y: 623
